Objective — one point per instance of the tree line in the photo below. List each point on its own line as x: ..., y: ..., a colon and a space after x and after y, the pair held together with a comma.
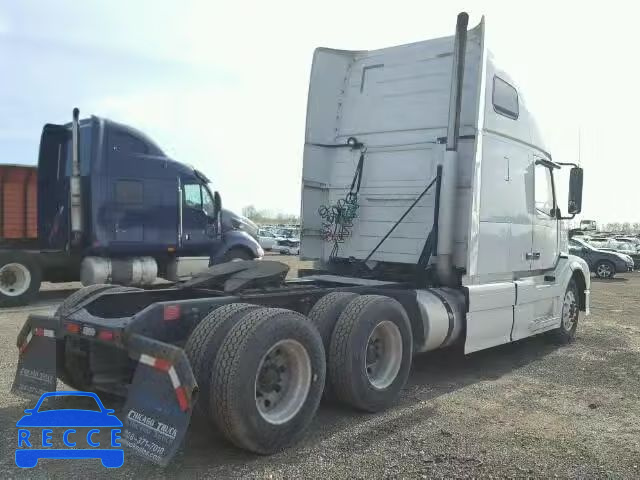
x: 622, y: 227
x: 616, y: 227
x: 266, y: 217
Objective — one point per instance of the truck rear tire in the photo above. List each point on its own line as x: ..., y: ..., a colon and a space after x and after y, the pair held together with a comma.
x: 324, y: 315
x: 267, y: 380
x: 204, y: 343
x: 370, y: 353
x: 20, y: 278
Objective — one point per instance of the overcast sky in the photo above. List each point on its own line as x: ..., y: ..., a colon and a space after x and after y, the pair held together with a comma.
x: 223, y: 85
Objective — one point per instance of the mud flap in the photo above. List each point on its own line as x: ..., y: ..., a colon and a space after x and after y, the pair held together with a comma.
x: 36, y: 373
x: 160, y: 400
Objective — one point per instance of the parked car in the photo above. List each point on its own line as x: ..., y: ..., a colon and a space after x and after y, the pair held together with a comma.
x: 287, y: 246
x: 633, y: 242
x: 623, y: 247
x: 604, y: 263
x: 266, y: 239
x: 292, y: 233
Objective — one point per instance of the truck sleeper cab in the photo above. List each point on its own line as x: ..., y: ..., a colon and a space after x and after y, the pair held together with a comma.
x: 445, y: 242
x: 120, y: 211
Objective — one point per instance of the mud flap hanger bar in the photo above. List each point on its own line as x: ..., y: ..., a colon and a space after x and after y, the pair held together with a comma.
x: 159, y: 401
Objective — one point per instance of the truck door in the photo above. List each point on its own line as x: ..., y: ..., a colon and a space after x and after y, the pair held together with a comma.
x: 197, y: 215
x: 537, y: 307
x: 545, y: 224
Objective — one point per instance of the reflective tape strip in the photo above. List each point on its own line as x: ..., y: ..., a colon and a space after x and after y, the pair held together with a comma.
x: 182, y: 399
x: 44, y: 332
x: 165, y: 366
x: 24, y: 345
x: 162, y: 364
x: 147, y: 360
x: 175, y: 381
x: 38, y: 332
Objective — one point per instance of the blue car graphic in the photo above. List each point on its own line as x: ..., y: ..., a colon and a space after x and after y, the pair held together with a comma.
x: 68, y: 418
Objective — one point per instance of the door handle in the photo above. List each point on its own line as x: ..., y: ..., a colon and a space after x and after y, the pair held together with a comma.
x: 533, y: 256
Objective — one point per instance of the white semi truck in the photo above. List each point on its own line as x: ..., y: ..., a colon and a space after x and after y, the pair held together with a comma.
x: 429, y: 203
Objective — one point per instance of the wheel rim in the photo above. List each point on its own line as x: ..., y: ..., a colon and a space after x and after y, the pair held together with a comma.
x: 283, y: 381
x: 569, y: 310
x: 383, y: 354
x: 604, y: 270
x: 14, y: 279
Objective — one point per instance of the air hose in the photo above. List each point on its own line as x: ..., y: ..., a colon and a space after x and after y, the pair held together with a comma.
x: 337, y: 219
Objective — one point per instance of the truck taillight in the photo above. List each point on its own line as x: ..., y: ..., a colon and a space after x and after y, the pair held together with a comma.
x: 106, y: 335
x: 72, y: 327
x: 171, y: 312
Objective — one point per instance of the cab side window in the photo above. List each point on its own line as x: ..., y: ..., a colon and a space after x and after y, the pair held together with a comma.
x: 192, y: 196
x: 543, y: 190
x: 198, y: 198
x: 207, y: 202
x: 505, y: 99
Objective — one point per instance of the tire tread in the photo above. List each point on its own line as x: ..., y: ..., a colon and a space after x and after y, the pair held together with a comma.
x: 224, y: 396
x: 340, y: 357
x: 199, y: 341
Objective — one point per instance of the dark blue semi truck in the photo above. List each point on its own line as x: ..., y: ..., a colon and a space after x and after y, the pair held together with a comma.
x: 112, y: 207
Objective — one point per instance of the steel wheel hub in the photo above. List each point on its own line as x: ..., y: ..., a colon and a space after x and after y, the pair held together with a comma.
x: 383, y: 355
x: 14, y: 279
x: 283, y: 381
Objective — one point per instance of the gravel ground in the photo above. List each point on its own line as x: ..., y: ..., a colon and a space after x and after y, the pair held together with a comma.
x: 523, y: 410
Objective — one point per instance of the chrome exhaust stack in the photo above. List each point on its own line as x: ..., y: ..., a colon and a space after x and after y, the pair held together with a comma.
x: 75, y: 187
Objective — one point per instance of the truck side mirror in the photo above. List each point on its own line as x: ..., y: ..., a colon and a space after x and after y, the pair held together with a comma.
x: 217, y: 204
x: 217, y: 213
x: 575, y: 191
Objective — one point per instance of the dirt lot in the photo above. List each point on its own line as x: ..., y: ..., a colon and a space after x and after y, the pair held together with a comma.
x: 524, y: 410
